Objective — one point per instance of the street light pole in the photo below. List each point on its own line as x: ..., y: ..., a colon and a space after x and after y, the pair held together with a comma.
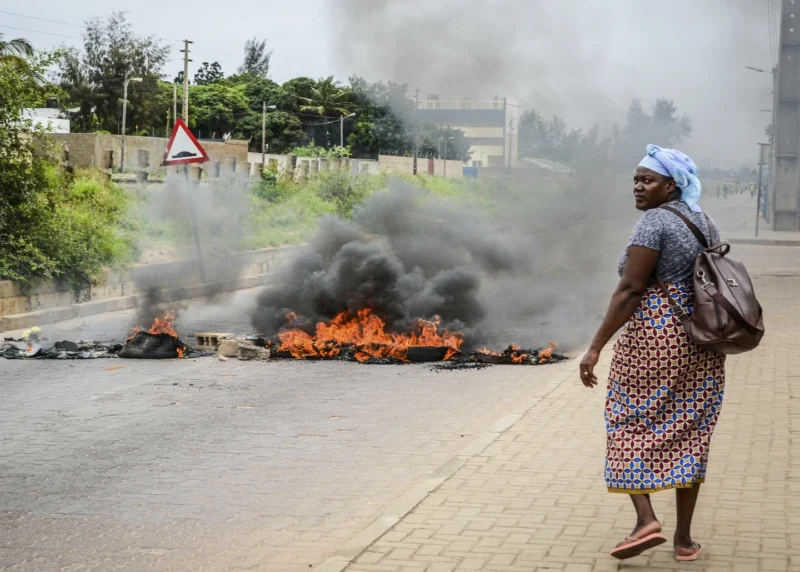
x: 773, y: 111
x: 416, y: 129
x: 264, y: 133
x: 341, y: 128
x: 186, y: 60
x: 124, y: 114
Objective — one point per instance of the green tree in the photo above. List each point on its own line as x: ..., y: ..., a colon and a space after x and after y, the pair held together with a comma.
x: 259, y: 90
x: 217, y: 108
x: 547, y: 139
x: 284, y: 131
x: 256, y: 58
x: 16, y: 50
x: 443, y: 143
x: 93, y: 78
x: 662, y: 126
x: 384, y: 122
x: 327, y: 98
x: 294, y: 92
x: 208, y: 73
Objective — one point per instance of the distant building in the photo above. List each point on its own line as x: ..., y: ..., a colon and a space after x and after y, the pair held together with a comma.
x: 48, y: 119
x: 490, y: 126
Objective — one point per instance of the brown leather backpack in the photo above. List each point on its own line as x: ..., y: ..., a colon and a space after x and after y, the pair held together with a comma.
x: 727, y: 318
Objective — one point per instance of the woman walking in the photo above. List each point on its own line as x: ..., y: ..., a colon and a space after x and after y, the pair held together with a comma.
x: 664, y: 393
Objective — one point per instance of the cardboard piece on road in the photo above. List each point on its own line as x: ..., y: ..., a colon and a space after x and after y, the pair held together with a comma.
x: 183, y: 147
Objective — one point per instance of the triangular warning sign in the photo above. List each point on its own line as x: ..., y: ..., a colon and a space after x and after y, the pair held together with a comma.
x: 183, y: 147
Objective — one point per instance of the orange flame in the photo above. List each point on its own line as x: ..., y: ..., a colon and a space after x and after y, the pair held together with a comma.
x: 367, y: 333
x: 547, y: 354
x: 486, y: 351
x: 517, y: 357
x: 162, y: 325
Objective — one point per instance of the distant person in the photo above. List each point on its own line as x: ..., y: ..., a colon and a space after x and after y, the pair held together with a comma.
x: 725, y: 190
x: 664, y: 394
x: 752, y: 190
x: 719, y: 189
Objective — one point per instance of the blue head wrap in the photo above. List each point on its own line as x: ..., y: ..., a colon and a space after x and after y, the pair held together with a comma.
x: 678, y: 166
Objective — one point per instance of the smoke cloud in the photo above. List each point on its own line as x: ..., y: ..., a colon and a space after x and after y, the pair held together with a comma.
x: 403, y: 255
x: 220, y: 211
x: 584, y: 61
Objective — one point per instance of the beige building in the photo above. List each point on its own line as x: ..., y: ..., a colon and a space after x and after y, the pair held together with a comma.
x: 490, y: 126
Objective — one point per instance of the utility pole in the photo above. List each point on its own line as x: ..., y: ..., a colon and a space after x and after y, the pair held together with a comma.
x: 124, y: 114
x: 445, y: 154
x: 265, y: 107
x: 175, y: 101
x: 416, y: 130
x: 764, y: 155
x: 186, y: 60
x: 263, y: 134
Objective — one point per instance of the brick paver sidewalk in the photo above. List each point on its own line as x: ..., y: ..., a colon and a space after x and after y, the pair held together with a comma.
x: 534, y: 498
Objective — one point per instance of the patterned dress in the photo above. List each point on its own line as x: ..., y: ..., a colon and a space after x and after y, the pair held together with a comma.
x: 664, y: 395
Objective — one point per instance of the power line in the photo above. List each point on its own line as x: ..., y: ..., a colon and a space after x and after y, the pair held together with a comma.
x: 42, y: 19
x: 38, y: 32
x: 211, y: 51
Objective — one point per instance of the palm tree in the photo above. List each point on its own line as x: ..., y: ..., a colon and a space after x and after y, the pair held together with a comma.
x: 15, y: 50
x: 328, y: 98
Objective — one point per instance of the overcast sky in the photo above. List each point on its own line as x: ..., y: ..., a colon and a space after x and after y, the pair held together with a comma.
x: 581, y: 59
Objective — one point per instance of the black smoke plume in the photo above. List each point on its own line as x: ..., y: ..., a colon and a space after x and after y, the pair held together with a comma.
x: 405, y: 256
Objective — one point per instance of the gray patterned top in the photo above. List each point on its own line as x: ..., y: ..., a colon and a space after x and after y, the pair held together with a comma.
x: 664, y: 232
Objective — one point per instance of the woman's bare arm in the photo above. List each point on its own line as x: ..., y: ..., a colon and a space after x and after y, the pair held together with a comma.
x: 636, y: 274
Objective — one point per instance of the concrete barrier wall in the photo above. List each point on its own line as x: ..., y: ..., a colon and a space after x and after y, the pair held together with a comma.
x: 55, y: 301
x: 85, y: 149
x: 385, y: 164
x: 405, y: 166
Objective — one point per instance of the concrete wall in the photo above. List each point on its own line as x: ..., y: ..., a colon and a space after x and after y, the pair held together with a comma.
x: 405, y: 166
x: 85, y: 149
x: 54, y: 301
x: 384, y: 164
x: 356, y: 165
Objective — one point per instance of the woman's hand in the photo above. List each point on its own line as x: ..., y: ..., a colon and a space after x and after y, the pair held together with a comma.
x: 588, y: 378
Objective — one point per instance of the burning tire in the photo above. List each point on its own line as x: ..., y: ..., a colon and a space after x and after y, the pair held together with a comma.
x: 153, y: 346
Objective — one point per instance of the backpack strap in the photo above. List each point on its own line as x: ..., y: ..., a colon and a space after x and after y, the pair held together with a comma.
x: 677, y: 310
x: 693, y: 227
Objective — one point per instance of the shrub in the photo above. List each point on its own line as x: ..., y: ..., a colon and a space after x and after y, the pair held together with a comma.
x: 345, y: 191
x: 312, y: 150
x: 51, y: 225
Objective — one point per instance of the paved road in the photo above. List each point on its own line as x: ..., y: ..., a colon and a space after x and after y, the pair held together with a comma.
x: 204, y: 465
x: 190, y: 465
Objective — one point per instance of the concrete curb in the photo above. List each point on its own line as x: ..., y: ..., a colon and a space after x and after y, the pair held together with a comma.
x: 85, y: 309
x: 396, y: 511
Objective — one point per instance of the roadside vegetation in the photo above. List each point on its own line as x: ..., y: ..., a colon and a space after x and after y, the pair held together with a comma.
x: 53, y: 224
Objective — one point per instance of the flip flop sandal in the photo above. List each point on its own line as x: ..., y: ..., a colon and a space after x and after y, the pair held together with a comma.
x: 638, y: 545
x: 691, y: 557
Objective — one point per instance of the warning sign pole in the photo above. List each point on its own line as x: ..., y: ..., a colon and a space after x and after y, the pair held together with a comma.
x: 198, y: 247
x: 184, y: 149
